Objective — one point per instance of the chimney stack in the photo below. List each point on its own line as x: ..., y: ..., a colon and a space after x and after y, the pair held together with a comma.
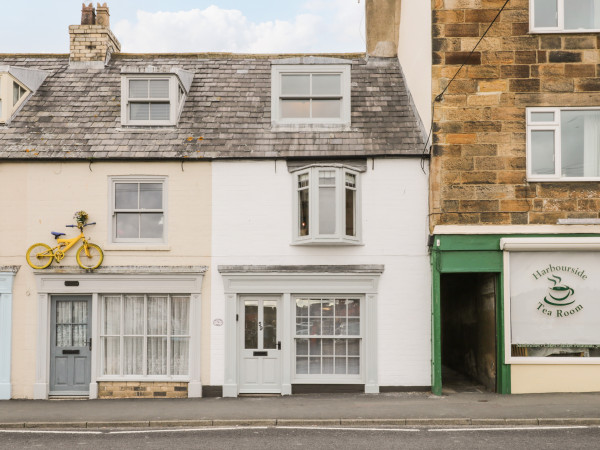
x: 383, y: 23
x: 92, y: 42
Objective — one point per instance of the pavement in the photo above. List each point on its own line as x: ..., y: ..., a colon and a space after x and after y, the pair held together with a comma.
x: 406, y: 408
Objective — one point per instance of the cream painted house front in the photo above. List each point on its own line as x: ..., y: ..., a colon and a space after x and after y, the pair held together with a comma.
x: 46, y: 196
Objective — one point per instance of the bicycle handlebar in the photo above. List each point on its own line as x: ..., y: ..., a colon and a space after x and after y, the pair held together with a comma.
x: 76, y: 226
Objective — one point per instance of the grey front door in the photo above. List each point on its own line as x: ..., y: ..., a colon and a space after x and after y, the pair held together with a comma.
x: 70, y: 345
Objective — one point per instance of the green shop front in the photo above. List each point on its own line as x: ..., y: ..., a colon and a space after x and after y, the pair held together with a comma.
x: 516, y: 312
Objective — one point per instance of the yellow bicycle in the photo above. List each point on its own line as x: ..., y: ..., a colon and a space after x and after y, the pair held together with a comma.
x: 89, y: 256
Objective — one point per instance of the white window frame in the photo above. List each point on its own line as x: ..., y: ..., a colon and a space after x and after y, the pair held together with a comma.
x: 7, y: 109
x: 330, y: 378
x: 175, y: 100
x: 145, y: 376
x: 551, y: 126
x: 560, y: 28
x: 339, y: 237
x: 113, y: 180
x: 339, y: 69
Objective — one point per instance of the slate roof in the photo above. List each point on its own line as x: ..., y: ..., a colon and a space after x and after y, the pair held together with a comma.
x: 75, y: 114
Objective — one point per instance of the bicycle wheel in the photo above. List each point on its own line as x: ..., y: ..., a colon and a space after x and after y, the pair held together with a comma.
x: 39, y: 256
x: 92, y: 261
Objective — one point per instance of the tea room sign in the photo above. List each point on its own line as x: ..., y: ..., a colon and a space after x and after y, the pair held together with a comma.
x: 555, y: 298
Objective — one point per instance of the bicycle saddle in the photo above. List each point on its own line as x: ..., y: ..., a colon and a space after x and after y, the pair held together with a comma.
x: 56, y: 234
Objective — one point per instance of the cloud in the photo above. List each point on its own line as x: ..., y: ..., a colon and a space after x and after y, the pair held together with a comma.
x: 334, y: 28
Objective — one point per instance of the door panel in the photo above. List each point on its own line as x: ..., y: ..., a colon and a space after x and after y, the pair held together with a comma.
x: 70, y: 353
x: 260, y: 335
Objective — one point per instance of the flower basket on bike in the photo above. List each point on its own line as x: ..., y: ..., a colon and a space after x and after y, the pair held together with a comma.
x: 89, y: 256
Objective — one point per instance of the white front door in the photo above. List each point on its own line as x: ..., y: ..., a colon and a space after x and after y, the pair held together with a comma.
x: 259, y: 334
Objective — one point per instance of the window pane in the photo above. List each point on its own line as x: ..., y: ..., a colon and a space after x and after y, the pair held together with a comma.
x: 18, y: 92
x: 180, y: 350
x: 128, y: 225
x: 542, y: 152
x: 157, y: 356
x: 301, y: 365
x: 151, y: 225
x: 582, y: 14
x: 159, y: 111
x: 327, y: 366
x: 542, y: 117
x: 301, y: 326
x: 350, y: 209
x: 159, y: 88
x: 126, y: 195
x: 133, y: 315
x: 295, y: 109
x: 315, y: 326
x: 327, y: 210
x: 353, y: 366
x: 546, y: 13
x: 302, y: 307
x: 327, y: 346
x: 303, y: 213
x: 111, y: 315
x: 315, y: 365
x: 301, y: 346
x: 151, y: 195
x: 353, y: 347
x: 326, y: 109
x: 139, y: 111
x: 110, y: 355
x: 270, y: 324
x: 180, y: 310
x: 580, y: 143
x: 295, y: 85
x: 133, y: 363
x: 251, y: 324
x: 326, y: 84
x: 138, y: 88
x: 157, y: 315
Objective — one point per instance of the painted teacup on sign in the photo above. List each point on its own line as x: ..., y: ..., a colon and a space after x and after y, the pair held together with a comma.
x: 558, y: 294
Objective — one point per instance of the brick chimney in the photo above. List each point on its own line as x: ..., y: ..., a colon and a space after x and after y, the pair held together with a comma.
x: 382, y: 23
x: 92, y: 42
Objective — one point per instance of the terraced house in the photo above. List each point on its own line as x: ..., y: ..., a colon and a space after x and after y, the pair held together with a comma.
x: 514, y: 198
x: 263, y: 220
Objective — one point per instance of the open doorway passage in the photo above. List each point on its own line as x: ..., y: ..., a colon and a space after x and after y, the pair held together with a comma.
x: 468, y: 332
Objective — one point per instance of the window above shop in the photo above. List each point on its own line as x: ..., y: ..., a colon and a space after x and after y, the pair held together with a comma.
x: 327, y: 205
x: 563, y: 144
x: 153, y: 96
x: 564, y: 16
x: 138, y: 209
x: 310, y: 95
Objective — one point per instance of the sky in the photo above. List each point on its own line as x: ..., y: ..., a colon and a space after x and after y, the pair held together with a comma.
x: 239, y: 26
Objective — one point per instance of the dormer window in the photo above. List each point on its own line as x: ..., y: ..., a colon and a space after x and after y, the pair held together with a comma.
x: 310, y: 95
x: 12, y: 95
x: 153, y: 97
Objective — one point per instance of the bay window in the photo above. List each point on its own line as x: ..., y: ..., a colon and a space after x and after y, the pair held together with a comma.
x: 326, y: 205
x: 564, y: 15
x: 563, y: 144
x: 145, y: 335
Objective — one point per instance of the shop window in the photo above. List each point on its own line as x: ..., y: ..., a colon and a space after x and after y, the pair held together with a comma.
x: 138, y: 209
x: 312, y: 94
x: 552, y: 309
x: 326, y: 205
x: 565, y: 16
x: 328, y: 337
x: 145, y: 335
x: 563, y: 144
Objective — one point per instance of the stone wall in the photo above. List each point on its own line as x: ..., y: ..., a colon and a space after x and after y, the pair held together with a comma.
x: 134, y: 389
x: 478, y: 165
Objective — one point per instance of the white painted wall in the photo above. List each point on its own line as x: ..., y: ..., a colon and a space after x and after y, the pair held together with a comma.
x: 414, y: 53
x: 252, y: 210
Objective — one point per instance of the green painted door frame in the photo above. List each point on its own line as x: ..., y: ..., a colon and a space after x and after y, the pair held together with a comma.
x: 482, y: 260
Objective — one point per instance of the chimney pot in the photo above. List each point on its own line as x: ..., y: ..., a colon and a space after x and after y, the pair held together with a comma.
x: 102, y: 15
x: 88, y: 14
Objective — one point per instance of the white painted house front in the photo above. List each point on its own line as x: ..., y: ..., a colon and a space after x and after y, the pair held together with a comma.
x: 382, y: 343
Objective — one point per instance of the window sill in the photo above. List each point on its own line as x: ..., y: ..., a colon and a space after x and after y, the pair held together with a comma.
x: 564, y: 180
x: 580, y: 31
x: 137, y: 247
x: 330, y: 242
x: 144, y: 128
x: 299, y: 127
